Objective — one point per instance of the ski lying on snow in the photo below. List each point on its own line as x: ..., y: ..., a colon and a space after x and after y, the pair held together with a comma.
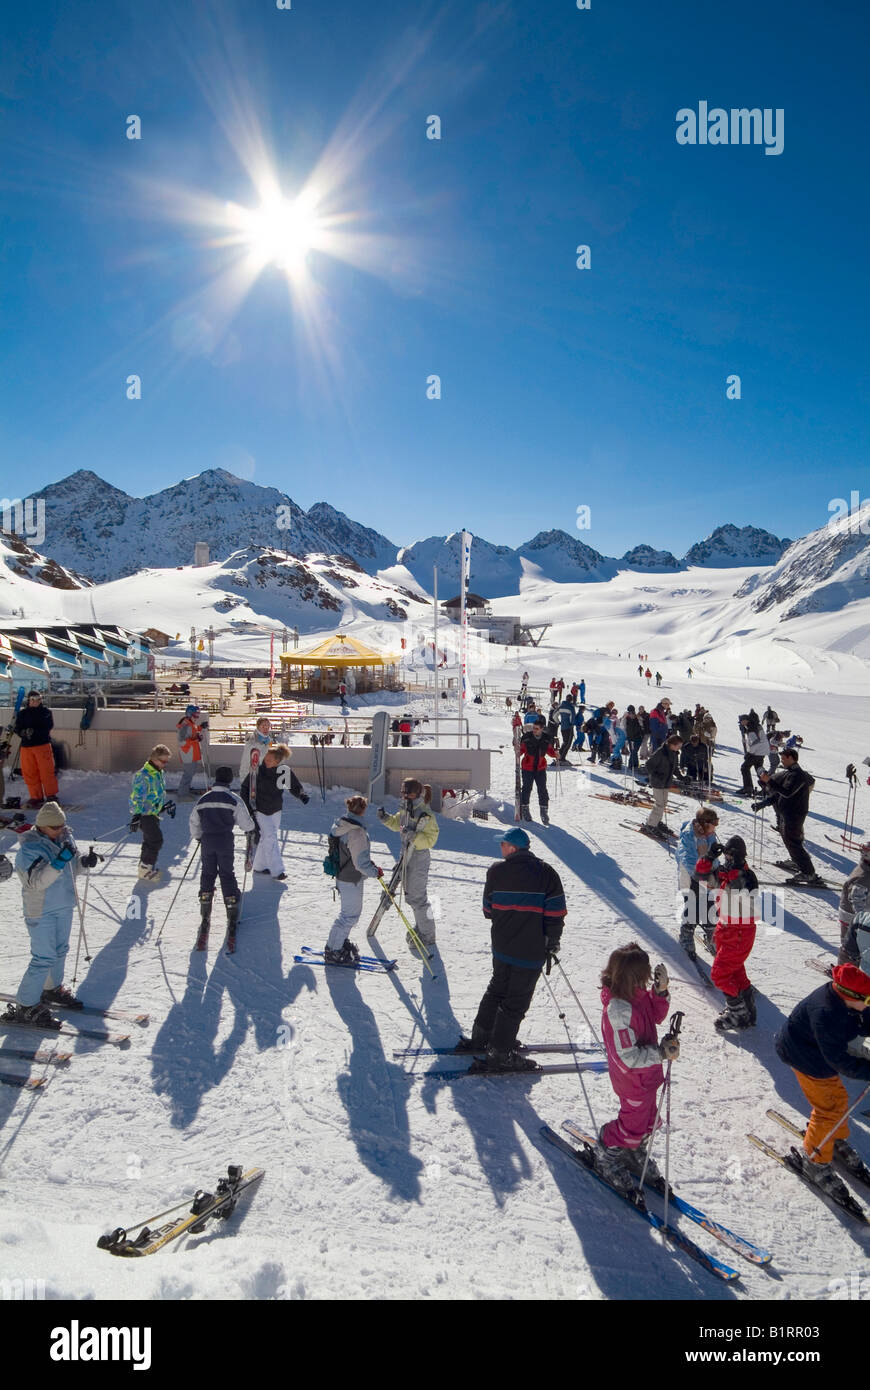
x: 205, y: 1205
x: 35, y: 1054
x: 754, y: 1253
x: 550, y: 1069
x: 64, y: 1031
x: 656, y: 839
x: 863, y: 1176
x: 121, y: 1015
x: 819, y: 965
x: 367, y: 964
x: 682, y: 1242
x: 791, y: 1160
x: 843, y: 843
x: 24, y: 1083
x: 523, y: 1047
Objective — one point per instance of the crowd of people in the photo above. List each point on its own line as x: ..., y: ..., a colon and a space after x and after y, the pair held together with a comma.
x: 523, y: 896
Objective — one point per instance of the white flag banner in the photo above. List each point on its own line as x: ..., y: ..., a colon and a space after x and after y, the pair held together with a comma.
x: 464, y: 576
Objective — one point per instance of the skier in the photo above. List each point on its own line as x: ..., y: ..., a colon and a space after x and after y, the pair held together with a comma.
x: 736, y: 886
x: 658, y: 724
x: 633, y: 736
x: 259, y: 740
x: 854, y: 901
x: 211, y: 822
x: 815, y: 1042
x: 147, y: 802
x: 662, y: 768
x: 566, y: 714
x: 537, y: 747
x: 47, y: 862
x: 689, y: 673
x: 582, y: 692
x: 631, y: 1012
x: 350, y: 844
x: 33, y: 725
x: 771, y: 719
x: 418, y: 831
x: 756, y: 748
x: 342, y: 695
x: 697, y: 840
x: 694, y: 760
x: 579, y: 721
x: 788, y: 790
x: 648, y: 674
x: 272, y: 780
x: 191, y: 729
x: 658, y: 677
x: 524, y: 901
x: 640, y: 668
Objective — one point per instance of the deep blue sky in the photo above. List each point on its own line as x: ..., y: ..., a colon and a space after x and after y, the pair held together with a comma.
x: 560, y: 387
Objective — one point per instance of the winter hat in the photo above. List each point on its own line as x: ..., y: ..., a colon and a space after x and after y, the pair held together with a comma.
x: 516, y: 837
x: 223, y: 776
x: 736, y: 848
x: 192, y: 709
x: 32, y: 693
x: 865, y: 852
x: 851, y: 982
x: 49, y: 816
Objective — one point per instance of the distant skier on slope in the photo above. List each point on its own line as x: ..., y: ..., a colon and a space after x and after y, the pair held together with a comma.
x: 524, y: 901
x: 631, y: 1012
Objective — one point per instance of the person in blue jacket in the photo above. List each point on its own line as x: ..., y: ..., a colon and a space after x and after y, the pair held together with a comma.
x: 697, y: 840
x: 47, y: 862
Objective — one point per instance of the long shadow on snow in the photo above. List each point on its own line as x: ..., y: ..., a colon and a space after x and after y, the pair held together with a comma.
x: 377, y: 1112
x: 185, y: 1063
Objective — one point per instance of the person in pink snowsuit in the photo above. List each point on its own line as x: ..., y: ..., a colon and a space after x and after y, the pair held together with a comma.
x: 631, y: 1013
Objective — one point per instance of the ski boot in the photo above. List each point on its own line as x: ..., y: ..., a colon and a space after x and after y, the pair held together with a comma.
x: 545, y: 816
x: 341, y: 955
x: 526, y: 812
x: 634, y: 1161
x: 477, y: 1043
x: 31, y: 1015
x: 788, y: 864
x: 497, y: 1060
x: 205, y: 901
x: 812, y: 880
x: 709, y: 940
x: 149, y: 873
x: 822, y: 1176
x: 851, y: 1161
x: 233, y: 907
x: 614, y: 1166
x: 61, y: 995
x: 739, y: 1012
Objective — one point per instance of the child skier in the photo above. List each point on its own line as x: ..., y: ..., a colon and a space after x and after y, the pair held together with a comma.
x: 418, y: 829
x: 211, y: 822
x: 147, y: 803
x: 817, y: 1042
x: 354, y: 867
x: 697, y: 840
x: 734, y: 936
x: 631, y: 1012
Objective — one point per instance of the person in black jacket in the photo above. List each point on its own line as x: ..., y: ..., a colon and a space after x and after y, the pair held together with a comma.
x: 525, y: 903
x: 274, y: 777
x: 212, y: 821
x: 33, y: 725
x: 694, y: 760
x: 662, y: 769
x: 822, y: 1041
x: 788, y: 791
x: 634, y: 732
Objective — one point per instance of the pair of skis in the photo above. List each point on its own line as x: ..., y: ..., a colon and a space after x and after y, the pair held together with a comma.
x: 585, y: 1158
x: 370, y: 965
x: 792, y: 1161
x: 477, y: 1068
x: 206, y: 1205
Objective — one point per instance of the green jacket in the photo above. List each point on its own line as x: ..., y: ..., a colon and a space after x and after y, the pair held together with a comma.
x: 148, y: 791
x: 419, y: 828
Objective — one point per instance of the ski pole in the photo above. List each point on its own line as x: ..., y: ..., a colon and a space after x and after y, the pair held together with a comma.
x: 80, y: 908
x: 125, y: 825
x: 178, y: 890
x: 561, y: 1013
x: 851, y: 794
x: 817, y: 1149
x: 425, y: 955
x: 674, y: 1031
x: 586, y: 1017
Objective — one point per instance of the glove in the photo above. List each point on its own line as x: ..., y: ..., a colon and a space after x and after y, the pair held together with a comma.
x: 170, y: 808
x: 381, y: 813
x: 66, y: 854
x: 669, y: 1048
x: 91, y: 859
x: 380, y: 873
x: 27, y: 733
x: 134, y: 823
x: 660, y: 979
x: 551, y: 946
x: 304, y: 799
x: 5, y: 868
x: 714, y: 850
x: 204, y: 724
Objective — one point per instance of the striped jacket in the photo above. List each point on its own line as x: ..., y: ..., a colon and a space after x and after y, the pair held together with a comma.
x: 525, y: 902
x: 216, y: 813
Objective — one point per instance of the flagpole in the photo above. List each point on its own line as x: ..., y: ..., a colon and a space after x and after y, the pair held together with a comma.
x: 435, y: 665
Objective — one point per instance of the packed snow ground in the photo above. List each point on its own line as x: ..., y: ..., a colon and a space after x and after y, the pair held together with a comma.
x: 380, y: 1184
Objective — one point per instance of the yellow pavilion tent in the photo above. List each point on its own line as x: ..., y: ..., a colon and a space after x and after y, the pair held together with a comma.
x: 321, y: 670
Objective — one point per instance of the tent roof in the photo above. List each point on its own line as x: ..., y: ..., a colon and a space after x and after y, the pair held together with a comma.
x: 340, y: 651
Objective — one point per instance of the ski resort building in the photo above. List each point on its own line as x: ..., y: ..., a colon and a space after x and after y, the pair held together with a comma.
x: 66, y: 661
x: 336, y: 659
x: 499, y: 627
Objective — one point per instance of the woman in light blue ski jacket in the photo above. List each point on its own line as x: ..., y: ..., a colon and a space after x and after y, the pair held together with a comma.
x: 46, y: 863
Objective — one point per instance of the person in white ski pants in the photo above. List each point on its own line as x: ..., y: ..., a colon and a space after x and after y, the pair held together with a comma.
x: 355, y: 866
x: 418, y: 829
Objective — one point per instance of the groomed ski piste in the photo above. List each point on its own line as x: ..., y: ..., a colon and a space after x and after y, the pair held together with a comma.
x: 379, y: 1183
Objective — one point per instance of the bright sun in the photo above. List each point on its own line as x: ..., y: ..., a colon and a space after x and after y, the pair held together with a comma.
x: 281, y: 232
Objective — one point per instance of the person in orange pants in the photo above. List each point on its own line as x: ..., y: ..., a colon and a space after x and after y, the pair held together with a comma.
x: 33, y: 726
x: 821, y: 1042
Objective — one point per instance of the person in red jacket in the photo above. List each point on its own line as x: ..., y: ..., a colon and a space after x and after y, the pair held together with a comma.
x: 537, y: 746
x: 735, y: 885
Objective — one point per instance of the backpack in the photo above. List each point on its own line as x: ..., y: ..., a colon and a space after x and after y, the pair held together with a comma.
x: 336, y: 856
